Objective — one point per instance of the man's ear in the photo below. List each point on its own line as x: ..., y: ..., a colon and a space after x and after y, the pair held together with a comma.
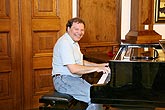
x: 68, y: 28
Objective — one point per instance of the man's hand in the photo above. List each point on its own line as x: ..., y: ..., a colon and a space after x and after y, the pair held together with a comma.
x: 104, y: 69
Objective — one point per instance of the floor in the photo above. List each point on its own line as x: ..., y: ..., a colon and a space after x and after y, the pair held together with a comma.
x: 114, y: 108
x: 110, y: 108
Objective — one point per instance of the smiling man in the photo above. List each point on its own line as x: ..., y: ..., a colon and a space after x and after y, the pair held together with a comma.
x: 69, y: 66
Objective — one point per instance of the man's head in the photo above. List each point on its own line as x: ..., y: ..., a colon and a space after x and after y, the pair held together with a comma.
x: 75, y: 28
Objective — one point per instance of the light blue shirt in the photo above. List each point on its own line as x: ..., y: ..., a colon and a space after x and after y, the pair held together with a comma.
x: 65, y: 52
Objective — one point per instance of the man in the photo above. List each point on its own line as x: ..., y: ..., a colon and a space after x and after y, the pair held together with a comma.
x: 69, y: 66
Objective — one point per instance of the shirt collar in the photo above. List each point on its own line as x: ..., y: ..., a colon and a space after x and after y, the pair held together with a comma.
x: 70, y: 39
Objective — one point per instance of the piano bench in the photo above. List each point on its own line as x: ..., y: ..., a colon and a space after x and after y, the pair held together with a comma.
x: 60, y: 101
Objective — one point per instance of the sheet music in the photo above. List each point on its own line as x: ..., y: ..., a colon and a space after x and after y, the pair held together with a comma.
x: 105, y: 78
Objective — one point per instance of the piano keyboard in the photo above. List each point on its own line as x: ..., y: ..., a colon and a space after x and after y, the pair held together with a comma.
x: 105, y: 78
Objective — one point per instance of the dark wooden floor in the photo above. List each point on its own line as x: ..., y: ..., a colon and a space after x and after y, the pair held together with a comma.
x: 128, y: 108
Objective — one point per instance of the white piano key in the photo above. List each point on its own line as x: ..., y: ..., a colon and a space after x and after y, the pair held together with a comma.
x: 105, y: 78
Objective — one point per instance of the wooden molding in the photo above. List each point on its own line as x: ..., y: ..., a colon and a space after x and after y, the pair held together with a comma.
x: 100, y: 44
x: 142, y: 14
x: 141, y: 37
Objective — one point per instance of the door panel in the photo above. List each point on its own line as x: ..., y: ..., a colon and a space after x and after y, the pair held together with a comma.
x: 10, y: 52
x: 28, y: 32
x: 43, y: 22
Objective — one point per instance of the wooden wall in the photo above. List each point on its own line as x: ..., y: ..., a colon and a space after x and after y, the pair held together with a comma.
x: 103, y: 22
x: 42, y: 23
x: 10, y: 54
x: 28, y: 32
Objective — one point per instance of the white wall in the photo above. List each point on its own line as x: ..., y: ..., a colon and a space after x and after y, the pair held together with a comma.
x: 125, y: 23
x: 160, y: 28
x: 125, y: 20
x: 74, y: 8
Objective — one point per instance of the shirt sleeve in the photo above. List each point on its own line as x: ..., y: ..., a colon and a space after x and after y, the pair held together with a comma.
x: 66, y: 52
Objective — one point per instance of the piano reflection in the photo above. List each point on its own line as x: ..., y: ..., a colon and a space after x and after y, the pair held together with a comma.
x: 137, y: 78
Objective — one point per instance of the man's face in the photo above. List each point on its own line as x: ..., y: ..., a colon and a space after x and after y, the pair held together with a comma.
x: 76, y: 31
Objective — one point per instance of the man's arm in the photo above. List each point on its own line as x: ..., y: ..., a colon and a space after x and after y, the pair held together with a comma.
x: 88, y: 67
x: 87, y: 63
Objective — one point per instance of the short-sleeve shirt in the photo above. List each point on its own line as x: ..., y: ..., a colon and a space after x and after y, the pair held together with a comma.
x: 66, y: 51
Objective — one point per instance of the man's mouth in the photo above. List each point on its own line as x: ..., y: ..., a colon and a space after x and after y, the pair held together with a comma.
x: 78, y: 35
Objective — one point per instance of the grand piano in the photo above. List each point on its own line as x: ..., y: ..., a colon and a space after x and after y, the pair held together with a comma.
x: 137, y: 78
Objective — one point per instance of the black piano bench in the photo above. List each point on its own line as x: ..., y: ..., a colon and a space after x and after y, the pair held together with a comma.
x: 60, y: 101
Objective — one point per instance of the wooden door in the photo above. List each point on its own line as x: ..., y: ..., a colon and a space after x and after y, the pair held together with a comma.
x: 42, y: 23
x: 10, y: 56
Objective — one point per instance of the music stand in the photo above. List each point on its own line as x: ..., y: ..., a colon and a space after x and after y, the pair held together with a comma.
x: 162, y: 44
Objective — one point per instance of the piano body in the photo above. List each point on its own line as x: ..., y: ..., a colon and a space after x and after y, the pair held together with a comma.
x: 137, y: 78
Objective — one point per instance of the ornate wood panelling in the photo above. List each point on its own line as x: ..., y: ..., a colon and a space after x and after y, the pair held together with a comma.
x: 45, y: 28
x: 43, y: 42
x: 45, y: 8
x: 28, y: 32
x: 5, y: 25
x: 6, y: 104
x: 43, y: 22
x: 5, y: 65
x: 42, y: 82
x: 4, y: 8
x: 42, y: 62
x: 102, y: 18
x: 10, y: 60
x: 4, y: 45
x: 5, y: 85
x: 50, y: 24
